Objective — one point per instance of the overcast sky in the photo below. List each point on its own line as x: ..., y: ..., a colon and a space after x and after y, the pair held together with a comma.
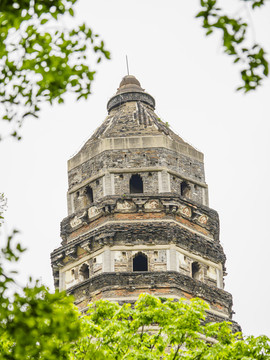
x: 193, y: 84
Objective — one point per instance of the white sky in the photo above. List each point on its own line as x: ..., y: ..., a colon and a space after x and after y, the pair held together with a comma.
x: 193, y: 84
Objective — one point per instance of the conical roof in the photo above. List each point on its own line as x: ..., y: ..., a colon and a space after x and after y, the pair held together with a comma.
x: 131, y: 115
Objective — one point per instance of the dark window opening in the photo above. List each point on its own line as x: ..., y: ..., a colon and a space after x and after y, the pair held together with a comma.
x: 84, y: 271
x: 136, y: 184
x: 185, y: 189
x: 140, y: 262
x: 195, y: 271
x: 89, y: 194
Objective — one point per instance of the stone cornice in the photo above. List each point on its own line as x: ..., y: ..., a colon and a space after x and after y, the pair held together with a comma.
x: 134, y: 233
x: 133, y: 142
x: 153, y: 280
x: 120, y: 99
x: 202, y: 219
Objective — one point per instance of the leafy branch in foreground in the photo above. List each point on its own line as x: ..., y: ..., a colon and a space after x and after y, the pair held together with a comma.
x: 234, y: 37
x: 41, y: 60
x: 34, y: 324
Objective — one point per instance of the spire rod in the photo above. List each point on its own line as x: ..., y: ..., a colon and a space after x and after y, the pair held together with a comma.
x: 127, y: 65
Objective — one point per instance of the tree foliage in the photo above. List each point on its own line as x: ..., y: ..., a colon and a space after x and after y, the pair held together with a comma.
x: 38, y: 325
x: 3, y: 207
x: 252, y: 57
x: 41, y: 60
x: 162, y: 329
x: 34, y: 324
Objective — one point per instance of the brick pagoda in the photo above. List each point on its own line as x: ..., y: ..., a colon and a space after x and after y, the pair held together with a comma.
x: 138, y: 215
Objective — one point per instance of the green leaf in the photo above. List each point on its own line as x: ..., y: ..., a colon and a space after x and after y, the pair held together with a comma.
x: 43, y: 21
x: 42, y: 61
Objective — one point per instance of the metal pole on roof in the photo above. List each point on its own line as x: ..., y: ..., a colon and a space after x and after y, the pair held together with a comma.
x: 127, y: 64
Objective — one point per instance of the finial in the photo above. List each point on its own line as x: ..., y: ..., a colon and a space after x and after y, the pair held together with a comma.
x: 127, y: 65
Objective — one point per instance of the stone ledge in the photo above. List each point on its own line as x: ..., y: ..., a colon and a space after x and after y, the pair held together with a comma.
x: 180, y: 285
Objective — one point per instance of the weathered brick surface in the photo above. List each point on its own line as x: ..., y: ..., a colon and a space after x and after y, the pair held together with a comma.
x: 150, y: 183
x: 137, y: 158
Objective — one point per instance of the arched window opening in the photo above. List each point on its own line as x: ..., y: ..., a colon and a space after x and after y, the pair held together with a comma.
x: 89, y: 194
x: 195, y: 270
x: 136, y: 184
x: 185, y: 189
x: 140, y: 262
x: 84, y: 272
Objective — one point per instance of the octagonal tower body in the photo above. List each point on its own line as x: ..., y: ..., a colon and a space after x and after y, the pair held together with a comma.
x: 138, y: 216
